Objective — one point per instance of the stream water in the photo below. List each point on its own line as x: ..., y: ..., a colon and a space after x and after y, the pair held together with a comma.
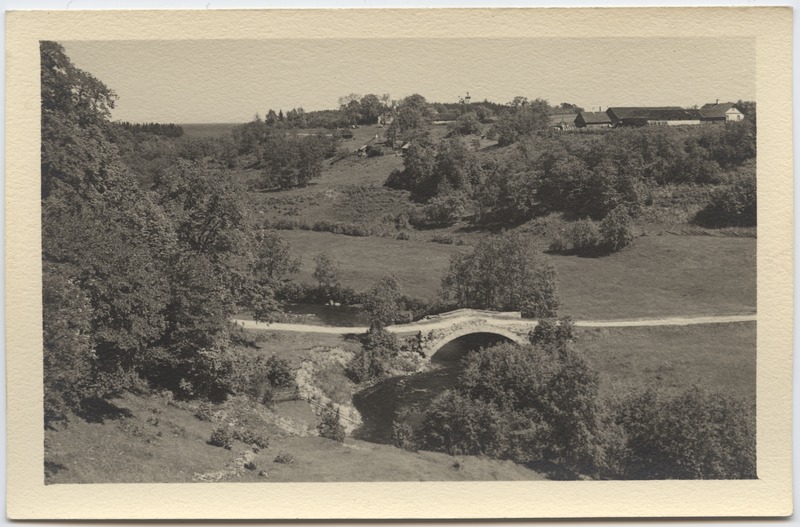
x: 330, y: 315
x: 379, y: 404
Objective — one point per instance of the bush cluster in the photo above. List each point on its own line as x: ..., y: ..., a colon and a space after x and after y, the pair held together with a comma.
x: 221, y: 437
x: 251, y: 438
x: 334, y: 227
x: 731, y: 206
x: 612, y: 234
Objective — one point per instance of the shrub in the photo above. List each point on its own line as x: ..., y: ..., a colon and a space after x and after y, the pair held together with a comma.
x: 733, y: 206
x: 374, y: 151
x: 442, y: 211
x: 204, y: 412
x: 258, y: 376
x: 330, y: 427
x: 402, y: 435
x: 460, y: 425
x: 442, y: 238
x: 251, y: 438
x: 695, y: 435
x: 584, y: 235
x: 616, y: 230
x: 221, y: 437
x: 284, y: 458
x: 372, y: 361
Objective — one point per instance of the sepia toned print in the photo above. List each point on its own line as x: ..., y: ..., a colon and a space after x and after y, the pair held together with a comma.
x: 457, y: 285
x: 496, y: 264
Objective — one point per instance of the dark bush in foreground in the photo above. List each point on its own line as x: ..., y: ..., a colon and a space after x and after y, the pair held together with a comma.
x: 459, y: 425
x: 695, y: 435
x: 734, y: 206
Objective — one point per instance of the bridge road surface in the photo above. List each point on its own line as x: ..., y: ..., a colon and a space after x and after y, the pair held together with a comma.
x: 500, y: 320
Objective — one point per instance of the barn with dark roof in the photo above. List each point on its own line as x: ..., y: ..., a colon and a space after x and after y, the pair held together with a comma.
x: 593, y: 120
x: 658, y: 115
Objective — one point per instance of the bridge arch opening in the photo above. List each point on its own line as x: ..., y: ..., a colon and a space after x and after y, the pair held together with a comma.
x: 451, y: 349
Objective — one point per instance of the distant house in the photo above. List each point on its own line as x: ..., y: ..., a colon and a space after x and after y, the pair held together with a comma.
x: 562, y: 121
x: 721, y: 112
x: 593, y: 120
x: 654, y: 116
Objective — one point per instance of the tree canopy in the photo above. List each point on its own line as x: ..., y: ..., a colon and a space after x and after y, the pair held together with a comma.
x: 503, y: 273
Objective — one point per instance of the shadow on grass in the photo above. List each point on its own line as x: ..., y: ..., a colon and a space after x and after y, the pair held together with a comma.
x: 97, y: 410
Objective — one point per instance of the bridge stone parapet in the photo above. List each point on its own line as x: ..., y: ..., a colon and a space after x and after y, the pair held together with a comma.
x: 436, y: 331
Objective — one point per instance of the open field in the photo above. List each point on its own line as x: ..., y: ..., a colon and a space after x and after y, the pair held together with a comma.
x: 718, y: 357
x: 657, y: 276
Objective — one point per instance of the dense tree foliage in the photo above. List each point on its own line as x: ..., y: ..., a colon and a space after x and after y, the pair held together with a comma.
x: 527, y: 403
x: 437, y: 169
x: 522, y: 118
x: 697, y: 434
x: 140, y: 282
x: 540, y: 404
x: 410, y: 118
x: 166, y: 130
x: 733, y: 205
x: 503, y: 273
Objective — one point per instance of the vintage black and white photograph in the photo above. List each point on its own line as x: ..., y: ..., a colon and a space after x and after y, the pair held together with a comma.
x: 372, y: 260
x: 364, y: 264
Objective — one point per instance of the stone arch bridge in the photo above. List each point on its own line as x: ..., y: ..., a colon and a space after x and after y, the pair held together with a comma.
x: 435, y: 331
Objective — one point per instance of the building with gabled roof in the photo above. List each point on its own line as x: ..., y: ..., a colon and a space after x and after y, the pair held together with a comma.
x: 593, y: 120
x: 721, y: 112
x: 658, y: 115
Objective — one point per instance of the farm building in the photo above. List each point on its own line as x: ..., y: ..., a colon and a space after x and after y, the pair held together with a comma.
x: 654, y: 116
x: 562, y: 121
x: 717, y: 112
x: 593, y: 120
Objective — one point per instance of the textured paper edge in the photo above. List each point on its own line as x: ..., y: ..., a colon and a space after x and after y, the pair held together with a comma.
x: 770, y: 495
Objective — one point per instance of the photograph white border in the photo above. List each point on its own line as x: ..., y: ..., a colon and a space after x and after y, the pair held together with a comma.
x: 770, y: 495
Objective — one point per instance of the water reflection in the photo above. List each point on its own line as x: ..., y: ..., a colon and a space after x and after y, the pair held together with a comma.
x: 380, y: 404
x: 330, y: 315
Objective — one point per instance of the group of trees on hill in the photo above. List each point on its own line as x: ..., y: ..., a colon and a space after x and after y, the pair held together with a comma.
x: 166, y: 130
x: 584, y: 176
x: 139, y: 282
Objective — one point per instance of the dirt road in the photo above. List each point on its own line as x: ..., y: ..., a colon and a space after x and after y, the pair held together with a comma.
x: 427, y: 325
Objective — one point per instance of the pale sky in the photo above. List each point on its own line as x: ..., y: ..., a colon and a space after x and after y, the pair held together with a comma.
x: 193, y: 81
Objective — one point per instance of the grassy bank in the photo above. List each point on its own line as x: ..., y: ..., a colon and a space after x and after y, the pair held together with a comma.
x: 716, y: 356
x: 147, y: 440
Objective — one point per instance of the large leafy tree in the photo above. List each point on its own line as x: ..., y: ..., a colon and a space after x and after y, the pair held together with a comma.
x: 504, y: 273
x: 100, y: 233
x: 138, y: 282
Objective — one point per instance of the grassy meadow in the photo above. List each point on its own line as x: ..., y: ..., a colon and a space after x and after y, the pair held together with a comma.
x: 656, y: 276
